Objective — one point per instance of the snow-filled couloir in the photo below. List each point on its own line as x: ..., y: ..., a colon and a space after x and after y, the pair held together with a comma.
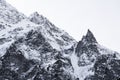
x: 32, y: 48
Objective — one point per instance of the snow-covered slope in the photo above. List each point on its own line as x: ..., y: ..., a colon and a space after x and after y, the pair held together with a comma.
x: 9, y: 13
x: 57, y: 37
x: 32, y: 48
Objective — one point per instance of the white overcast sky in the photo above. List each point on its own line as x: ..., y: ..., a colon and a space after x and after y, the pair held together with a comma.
x: 102, y: 17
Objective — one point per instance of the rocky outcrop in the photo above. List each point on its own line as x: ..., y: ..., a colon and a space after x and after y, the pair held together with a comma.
x: 35, y: 49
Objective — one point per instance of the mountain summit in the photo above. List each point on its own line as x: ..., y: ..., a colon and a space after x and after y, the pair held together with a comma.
x: 32, y: 48
x: 37, y: 18
x: 90, y: 37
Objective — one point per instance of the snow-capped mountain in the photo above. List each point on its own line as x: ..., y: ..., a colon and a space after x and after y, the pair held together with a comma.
x: 32, y: 48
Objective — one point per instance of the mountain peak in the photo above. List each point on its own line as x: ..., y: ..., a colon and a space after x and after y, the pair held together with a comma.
x: 89, y: 38
x: 35, y: 14
x: 37, y: 18
x: 89, y: 34
x: 36, y: 49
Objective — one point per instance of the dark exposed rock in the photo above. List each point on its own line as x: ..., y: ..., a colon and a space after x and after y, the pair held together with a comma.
x: 89, y: 38
x: 15, y: 66
x: 106, y: 68
x: 35, y: 49
x: 87, y: 50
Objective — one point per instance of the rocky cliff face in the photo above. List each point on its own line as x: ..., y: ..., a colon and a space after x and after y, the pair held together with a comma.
x: 98, y: 59
x: 32, y: 48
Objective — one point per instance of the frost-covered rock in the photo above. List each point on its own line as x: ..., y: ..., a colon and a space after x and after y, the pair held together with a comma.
x: 87, y: 49
x: 9, y: 13
x: 32, y: 48
x: 98, y: 59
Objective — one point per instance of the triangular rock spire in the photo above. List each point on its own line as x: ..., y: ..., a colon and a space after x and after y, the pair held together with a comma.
x: 89, y: 38
x: 86, y: 40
